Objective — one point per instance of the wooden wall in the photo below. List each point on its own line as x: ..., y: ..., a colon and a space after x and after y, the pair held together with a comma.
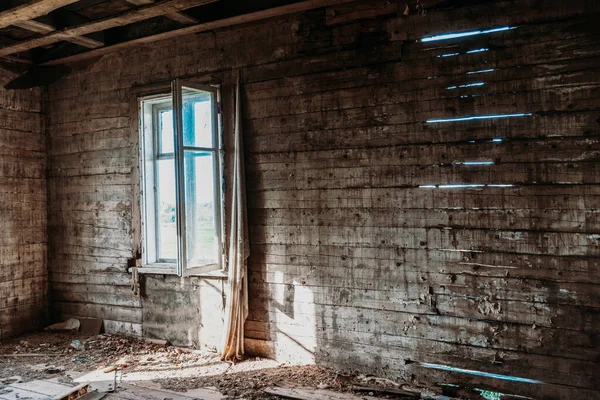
x: 362, y: 257
x: 23, y: 270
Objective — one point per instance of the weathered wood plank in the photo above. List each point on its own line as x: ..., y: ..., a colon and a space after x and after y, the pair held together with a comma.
x: 425, y: 299
x: 104, y: 311
x: 359, y: 134
x: 554, y: 197
x: 23, y: 198
x: 479, y: 333
x: 542, y: 151
x: 425, y: 176
x: 127, y: 299
x: 467, y: 90
x: 548, y: 220
x: 416, y: 282
x: 512, y: 241
x: 275, y: 260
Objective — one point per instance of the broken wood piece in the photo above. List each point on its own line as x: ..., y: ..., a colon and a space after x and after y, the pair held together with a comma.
x: 158, y: 342
x: 180, y: 350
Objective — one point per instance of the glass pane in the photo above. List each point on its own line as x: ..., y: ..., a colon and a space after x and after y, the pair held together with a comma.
x: 197, y: 118
x: 166, y: 131
x: 200, y: 216
x: 166, y: 232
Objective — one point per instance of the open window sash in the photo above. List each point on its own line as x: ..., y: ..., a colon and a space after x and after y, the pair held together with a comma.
x: 197, y: 183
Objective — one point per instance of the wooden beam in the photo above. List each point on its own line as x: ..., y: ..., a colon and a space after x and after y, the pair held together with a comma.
x: 182, y: 18
x: 360, y: 10
x: 35, y: 26
x: 41, y: 27
x: 175, y: 16
x: 31, y: 10
x: 17, y: 60
x: 208, y: 26
x: 140, y: 2
x: 85, y: 41
x: 126, y: 18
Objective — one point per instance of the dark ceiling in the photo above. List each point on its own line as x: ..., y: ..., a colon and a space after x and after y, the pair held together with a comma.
x: 86, y: 11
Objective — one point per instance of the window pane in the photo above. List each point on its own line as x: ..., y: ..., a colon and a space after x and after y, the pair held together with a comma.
x: 197, y: 118
x: 166, y: 235
x: 166, y: 131
x: 201, y: 223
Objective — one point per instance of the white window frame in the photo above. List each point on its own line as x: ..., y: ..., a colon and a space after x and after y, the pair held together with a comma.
x: 149, y: 137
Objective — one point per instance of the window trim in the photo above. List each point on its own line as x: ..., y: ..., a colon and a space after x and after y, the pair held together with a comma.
x: 146, y: 123
x: 214, y: 274
x: 180, y: 149
x: 157, y: 155
x: 171, y: 267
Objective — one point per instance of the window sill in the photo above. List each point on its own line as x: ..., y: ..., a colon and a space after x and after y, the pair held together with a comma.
x: 216, y: 274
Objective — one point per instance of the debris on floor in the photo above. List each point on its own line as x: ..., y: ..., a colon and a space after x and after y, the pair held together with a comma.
x: 47, y: 368
x: 120, y: 366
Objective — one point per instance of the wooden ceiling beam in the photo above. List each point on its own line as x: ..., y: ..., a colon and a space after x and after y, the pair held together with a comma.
x: 175, y: 16
x: 30, y: 10
x: 17, y: 60
x: 35, y: 26
x: 41, y: 27
x: 85, y: 41
x: 145, y: 12
x: 203, y: 27
x: 182, y: 18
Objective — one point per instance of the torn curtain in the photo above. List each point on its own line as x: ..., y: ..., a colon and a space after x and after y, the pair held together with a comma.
x: 236, y: 306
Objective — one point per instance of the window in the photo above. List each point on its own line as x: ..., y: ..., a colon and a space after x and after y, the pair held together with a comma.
x: 181, y: 191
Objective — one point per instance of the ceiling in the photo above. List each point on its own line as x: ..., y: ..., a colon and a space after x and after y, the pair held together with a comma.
x: 51, y: 32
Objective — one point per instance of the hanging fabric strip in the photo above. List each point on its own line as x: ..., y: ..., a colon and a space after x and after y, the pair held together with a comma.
x: 236, y: 306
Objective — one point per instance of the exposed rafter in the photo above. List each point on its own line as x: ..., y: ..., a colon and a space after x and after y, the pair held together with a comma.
x: 41, y: 27
x: 30, y: 10
x: 35, y: 26
x: 203, y: 27
x: 175, y: 16
x: 126, y: 18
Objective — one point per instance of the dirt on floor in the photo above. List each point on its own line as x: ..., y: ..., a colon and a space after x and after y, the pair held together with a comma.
x: 250, y: 384
x: 63, y: 355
